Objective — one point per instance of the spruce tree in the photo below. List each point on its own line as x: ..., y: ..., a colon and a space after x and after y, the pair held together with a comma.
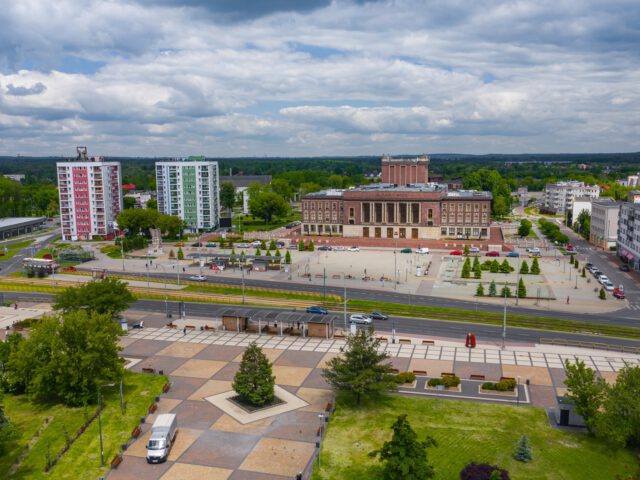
x: 584, y: 273
x: 465, y: 252
x: 495, y: 266
x: 505, y: 267
x: 602, y: 295
x: 480, y: 291
x: 254, y: 382
x: 287, y: 258
x: 272, y: 245
x: 221, y: 242
x: 466, y: 268
x: 477, y: 270
x: 311, y: 246
x: 263, y: 245
x: 576, y: 264
x: 301, y: 247
x: 476, y: 263
x: 523, y: 450
x: 570, y: 259
x: 535, y: 268
x: 258, y: 252
x: 522, y: 290
x: 505, y: 292
x: 180, y: 254
x: 172, y: 254
x: 493, y: 290
x: 524, y: 268
x: 404, y: 455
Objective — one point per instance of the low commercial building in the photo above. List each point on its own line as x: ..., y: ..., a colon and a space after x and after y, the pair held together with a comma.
x: 605, y: 214
x: 559, y: 196
x: 14, y: 227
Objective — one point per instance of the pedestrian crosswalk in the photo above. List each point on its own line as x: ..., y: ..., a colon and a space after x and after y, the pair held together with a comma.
x: 633, y: 306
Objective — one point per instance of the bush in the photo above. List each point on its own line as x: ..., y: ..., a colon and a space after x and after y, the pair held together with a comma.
x: 449, y: 381
x: 501, y: 386
x: 480, y: 291
x: 434, y: 382
x: 602, y: 295
x: 405, y: 377
x: 523, y: 452
x: 482, y: 471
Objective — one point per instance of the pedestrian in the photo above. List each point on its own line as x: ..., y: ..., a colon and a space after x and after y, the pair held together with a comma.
x: 184, y: 331
x: 151, y: 262
x: 15, y: 306
x: 146, y: 265
x: 298, y: 325
x: 183, y: 270
x: 567, y: 300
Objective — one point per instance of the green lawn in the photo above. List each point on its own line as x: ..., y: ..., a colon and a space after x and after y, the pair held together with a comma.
x: 13, y: 248
x: 466, y: 432
x: 251, y: 224
x: 83, y: 459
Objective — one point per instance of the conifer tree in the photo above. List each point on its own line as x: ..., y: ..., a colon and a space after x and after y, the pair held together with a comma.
x: 480, y: 291
x: 254, y: 382
x: 524, y: 268
x: 493, y: 290
x: 535, y: 268
x: 466, y: 268
x: 522, y: 290
x: 523, y: 450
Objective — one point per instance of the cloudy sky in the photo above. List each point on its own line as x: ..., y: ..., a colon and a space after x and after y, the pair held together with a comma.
x: 318, y: 77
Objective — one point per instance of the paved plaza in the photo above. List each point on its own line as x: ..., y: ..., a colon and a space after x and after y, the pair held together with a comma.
x: 213, y: 444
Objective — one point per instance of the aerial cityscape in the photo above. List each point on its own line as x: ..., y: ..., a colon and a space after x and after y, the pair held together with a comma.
x: 324, y: 239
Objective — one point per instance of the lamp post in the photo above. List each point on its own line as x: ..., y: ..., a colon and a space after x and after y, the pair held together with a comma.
x: 518, y: 282
x: 166, y: 306
x: 518, y: 389
x: 242, y: 271
x: 504, y: 320
x: 100, y: 422
x: 344, y: 284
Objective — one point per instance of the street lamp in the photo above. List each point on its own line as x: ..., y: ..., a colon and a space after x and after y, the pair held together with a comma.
x: 242, y: 271
x: 100, y: 421
x: 518, y: 389
x: 344, y: 284
x: 166, y: 306
x: 504, y: 319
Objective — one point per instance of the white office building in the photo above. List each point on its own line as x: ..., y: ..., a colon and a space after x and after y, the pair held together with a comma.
x: 605, y: 214
x: 189, y: 188
x: 559, y: 196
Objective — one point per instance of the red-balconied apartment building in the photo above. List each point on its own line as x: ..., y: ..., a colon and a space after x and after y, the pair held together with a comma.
x: 399, y: 207
x: 90, y: 196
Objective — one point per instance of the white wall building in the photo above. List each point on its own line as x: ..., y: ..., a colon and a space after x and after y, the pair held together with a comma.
x: 579, y: 205
x: 559, y: 196
x: 604, y: 223
x: 90, y: 196
x: 189, y: 188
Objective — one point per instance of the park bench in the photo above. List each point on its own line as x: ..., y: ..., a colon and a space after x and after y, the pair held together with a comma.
x: 447, y: 374
x: 405, y: 341
x: 136, y: 432
x: 474, y: 376
x: 394, y: 370
x: 171, y: 325
x: 166, y: 387
x: 117, y: 460
x: 190, y: 327
x: 208, y: 328
x: 507, y: 378
x: 420, y: 372
x: 428, y: 342
x: 383, y: 339
x: 336, y: 276
x: 148, y: 370
x: 152, y: 408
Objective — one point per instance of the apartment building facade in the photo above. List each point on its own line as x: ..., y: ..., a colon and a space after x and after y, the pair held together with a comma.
x: 189, y: 188
x: 90, y: 196
x: 605, y: 214
x: 559, y: 196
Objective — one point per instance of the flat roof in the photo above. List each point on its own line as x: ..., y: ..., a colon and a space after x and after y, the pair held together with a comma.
x: 7, y: 223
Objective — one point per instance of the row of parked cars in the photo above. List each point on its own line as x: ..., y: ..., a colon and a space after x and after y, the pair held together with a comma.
x: 361, y: 318
x: 618, y: 292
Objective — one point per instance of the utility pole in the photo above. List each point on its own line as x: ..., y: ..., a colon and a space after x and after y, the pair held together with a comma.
x: 324, y: 284
x: 242, y: 270
x: 504, y: 320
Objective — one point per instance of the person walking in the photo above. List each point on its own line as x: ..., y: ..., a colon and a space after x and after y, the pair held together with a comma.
x: 567, y: 300
x: 184, y: 331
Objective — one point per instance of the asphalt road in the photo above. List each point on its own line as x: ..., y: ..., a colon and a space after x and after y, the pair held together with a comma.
x: 402, y: 325
x: 622, y: 317
x: 7, y: 267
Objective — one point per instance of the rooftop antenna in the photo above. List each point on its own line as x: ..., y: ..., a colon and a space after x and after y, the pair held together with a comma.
x: 82, y: 154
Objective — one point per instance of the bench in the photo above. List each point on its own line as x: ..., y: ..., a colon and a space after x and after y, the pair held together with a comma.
x: 328, y: 407
x: 136, y: 432
x: 476, y: 377
x: 190, y: 327
x: 148, y: 370
x: 383, y: 339
x: 166, y: 387
x: 420, y: 372
x: 405, y: 341
x: 394, y: 370
x: 117, y: 460
x: 428, y: 342
x: 336, y: 276
x: 152, y: 408
x: 171, y: 325
x: 447, y: 374
x: 208, y: 328
x: 319, y: 275
x: 507, y: 378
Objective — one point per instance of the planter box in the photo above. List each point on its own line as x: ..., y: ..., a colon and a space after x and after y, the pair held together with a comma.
x: 508, y: 393
x: 445, y: 389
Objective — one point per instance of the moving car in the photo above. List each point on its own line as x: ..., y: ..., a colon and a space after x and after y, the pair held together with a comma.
x: 198, y: 278
x: 360, y: 318
x: 455, y: 252
x: 405, y: 250
x: 256, y: 243
x: 325, y: 248
x: 218, y: 268
x: 513, y: 254
x: 422, y: 250
x: 618, y: 293
x: 197, y: 244
x: 354, y: 249
x: 570, y: 248
x: 292, y: 224
x: 493, y: 254
x: 163, y: 433
x: 378, y: 316
x: 624, y: 268
x: 317, y: 310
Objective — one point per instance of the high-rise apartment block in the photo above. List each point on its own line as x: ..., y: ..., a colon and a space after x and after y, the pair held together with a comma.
x: 559, y: 196
x: 90, y: 196
x: 189, y: 188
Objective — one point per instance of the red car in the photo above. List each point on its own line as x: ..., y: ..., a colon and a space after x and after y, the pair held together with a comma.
x: 570, y: 248
x: 69, y: 269
x: 493, y: 254
x: 456, y: 252
x: 618, y: 293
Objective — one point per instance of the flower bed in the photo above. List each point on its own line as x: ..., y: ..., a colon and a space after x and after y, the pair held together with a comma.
x: 449, y: 382
x: 506, y: 386
x: 406, y: 379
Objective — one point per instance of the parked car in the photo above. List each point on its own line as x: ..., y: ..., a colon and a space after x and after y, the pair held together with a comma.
x: 317, y: 310
x: 354, y: 249
x: 242, y: 245
x: 197, y: 244
x: 455, y: 252
x: 513, y: 255
x: 405, y: 250
x: 360, y: 318
x: 217, y: 268
x: 280, y: 244
x: 256, y: 244
x: 624, y: 268
x: 422, y: 250
x: 474, y: 250
x: 198, y: 278
x: 339, y: 248
x: 163, y: 434
x: 378, y: 316
x: 69, y: 269
x: 212, y: 244
x: 292, y: 224
x: 493, y: 254
x: 293, y: 246
x: 608, y: 286
x: 619, y: 294
x: 602, y: 278
x: 324, y: 248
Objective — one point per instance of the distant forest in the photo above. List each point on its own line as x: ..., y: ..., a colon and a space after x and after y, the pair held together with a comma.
x: 500, y: 174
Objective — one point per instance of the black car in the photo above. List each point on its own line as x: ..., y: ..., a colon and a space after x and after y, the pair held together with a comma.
x: 624, y: 268
x: 324, y: 248
x: 197, y: 244
x: 378, y: 316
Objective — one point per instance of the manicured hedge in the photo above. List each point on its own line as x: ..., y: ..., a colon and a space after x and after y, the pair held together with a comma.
x: 447, y: 381
x: 501, y: 386
x: 405, y: 377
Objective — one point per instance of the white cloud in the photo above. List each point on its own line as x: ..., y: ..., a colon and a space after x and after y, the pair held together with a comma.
x: 341, y: 78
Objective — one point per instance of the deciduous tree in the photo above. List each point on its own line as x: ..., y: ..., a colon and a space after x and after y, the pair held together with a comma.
x: 620, y: 421
x: 267, y: 205
x: 108, y: 296
x: 586, y: 390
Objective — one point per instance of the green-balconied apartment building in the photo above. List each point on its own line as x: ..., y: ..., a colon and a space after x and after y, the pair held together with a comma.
x: 189, y: 188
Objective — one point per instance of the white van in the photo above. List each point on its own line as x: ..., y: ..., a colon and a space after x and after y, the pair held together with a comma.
x: 163, y: 433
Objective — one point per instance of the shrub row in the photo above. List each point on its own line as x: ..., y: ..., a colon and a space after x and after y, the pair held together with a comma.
x: 551, y: 230
x: 501, y: 386
x: 447, y: 381
x: 405, y: 377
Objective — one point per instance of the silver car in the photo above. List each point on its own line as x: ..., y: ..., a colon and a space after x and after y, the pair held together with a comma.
x: 360, y: 318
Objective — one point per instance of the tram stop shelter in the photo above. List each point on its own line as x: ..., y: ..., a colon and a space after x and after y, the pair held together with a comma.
x: 296, y: 323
